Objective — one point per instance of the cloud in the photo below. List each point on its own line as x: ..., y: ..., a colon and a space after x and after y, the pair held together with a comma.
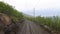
x: 45, y: 4
x: 42, y: 7
x: 30, y: 4
x: 49, y: 12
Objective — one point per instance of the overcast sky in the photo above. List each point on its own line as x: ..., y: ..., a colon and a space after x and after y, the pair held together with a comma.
x: 42, y: 7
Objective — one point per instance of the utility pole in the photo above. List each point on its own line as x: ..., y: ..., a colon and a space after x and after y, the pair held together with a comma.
x: 35, y: 9
x: 34, y: 12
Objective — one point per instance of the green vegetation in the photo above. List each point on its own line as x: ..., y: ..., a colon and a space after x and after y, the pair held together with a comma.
x: 10, y: 11
x: 52, y: 22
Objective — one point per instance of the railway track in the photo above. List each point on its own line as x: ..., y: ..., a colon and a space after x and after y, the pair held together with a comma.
x: 32, y: 28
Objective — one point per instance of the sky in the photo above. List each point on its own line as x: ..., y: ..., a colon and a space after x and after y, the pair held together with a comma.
x: 42, y: 7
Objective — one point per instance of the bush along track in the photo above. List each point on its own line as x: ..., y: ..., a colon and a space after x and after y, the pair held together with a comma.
x: 51, y: 24
x: 7, y: 9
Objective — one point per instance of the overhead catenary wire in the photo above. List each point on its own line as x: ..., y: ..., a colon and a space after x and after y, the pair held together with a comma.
x: 36, y: 3
x: 34, y: 8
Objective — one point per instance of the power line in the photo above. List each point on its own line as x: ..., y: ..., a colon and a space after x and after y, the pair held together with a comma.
x: 37, y: 3
x: 34, y: 8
